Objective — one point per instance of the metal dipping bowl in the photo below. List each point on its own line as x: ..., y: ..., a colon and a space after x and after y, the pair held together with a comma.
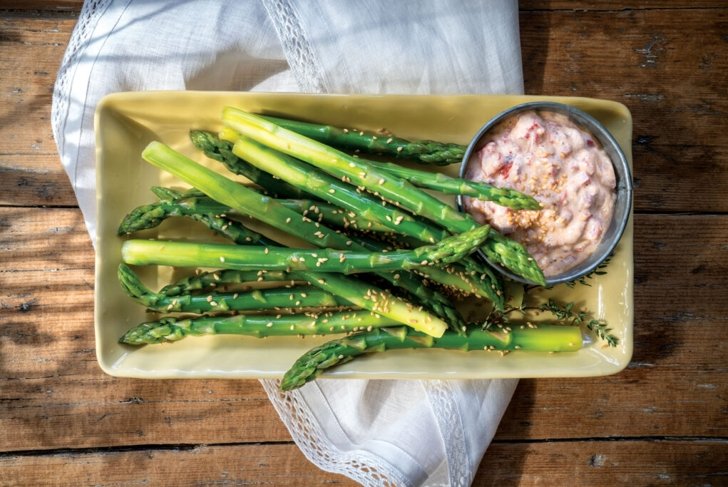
x: 623, y: 201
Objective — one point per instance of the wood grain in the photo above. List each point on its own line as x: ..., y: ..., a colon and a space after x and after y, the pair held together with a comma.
x: 661, y: 421
x: 605, y: 463
x: 593, y: 463
x: 253, y: 465
x: 675, y: 124
x: 629, y: 57
x: 54, y: 390
x: 75, y: 5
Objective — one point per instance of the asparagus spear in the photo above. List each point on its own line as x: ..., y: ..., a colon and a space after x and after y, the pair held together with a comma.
x: 449, y: 185
x: 248, y: 202
x: 512, y: 256
x: 205, y: 281
x: 423, y: 179
x: 171, y: 329
x: 197, y: 206
x: 422, y: 151
x: 342, y: 194
x: 139, y: 219
x: 202, y: 209
x: 328, y: 188
x: 221, y: 151
x: 332, y: 215
x: 191, y: 254
x: 544, y: 338
x: 257, y: 299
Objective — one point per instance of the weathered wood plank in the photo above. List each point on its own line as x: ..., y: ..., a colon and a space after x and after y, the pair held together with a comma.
x: 615, y: 5
x: 594, y: 463
x: 606, y: 464
x: 75, y: 5
x: 669, y: 123
x: 668, y: 68
x: 30, y: 52
x: 29, y: 180
x: 254, y: 465
x: 52, y: 389
x: 43, y: 6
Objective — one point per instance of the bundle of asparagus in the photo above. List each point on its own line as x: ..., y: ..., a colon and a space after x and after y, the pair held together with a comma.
x: 388, y: 265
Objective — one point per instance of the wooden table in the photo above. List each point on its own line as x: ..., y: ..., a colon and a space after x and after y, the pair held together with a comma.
x: 664, y: 420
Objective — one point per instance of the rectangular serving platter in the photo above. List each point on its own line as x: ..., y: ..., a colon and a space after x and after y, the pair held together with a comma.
x: 126, y: 122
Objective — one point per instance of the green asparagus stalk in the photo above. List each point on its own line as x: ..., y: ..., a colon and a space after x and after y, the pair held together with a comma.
x: 192, y: 254
x: 261, y: 326
x: 434, y: 301
x: 138, y: 219
x: 481, y: 282
x: 445, y: 184
x: 199, y: 207
x: 423, y: 179
x: 380, y: 183
x: 422, y: 151
x: 336, y: 191
x: 215, y: 302
x: 240, y: 198
x: 332, y: 215
x: 146, y: 216
x: 346, y: 196
x: 221, y: 151
x: 543, y: 338
x: 205, y: 281
x: 249, y: 202
x: 267, y: 210
x: 202, y: 209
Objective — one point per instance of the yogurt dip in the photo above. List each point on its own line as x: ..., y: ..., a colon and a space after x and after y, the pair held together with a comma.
x: 546, y: 155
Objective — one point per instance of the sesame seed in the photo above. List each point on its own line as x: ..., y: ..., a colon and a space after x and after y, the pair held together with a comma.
x: 222, y: 259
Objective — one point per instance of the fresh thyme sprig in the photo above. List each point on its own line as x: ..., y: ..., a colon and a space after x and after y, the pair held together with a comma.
x: 599, y: 271
x: 603, y: 332
x: 565, y: 313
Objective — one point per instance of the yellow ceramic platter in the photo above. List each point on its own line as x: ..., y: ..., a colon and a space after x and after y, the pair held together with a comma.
x: 127, y: 122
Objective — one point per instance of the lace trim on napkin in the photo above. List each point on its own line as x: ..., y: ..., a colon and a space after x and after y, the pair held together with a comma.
x: 358, y: 465
x: 299, y: 54
x: 441, y: 396
x: 90, y: 13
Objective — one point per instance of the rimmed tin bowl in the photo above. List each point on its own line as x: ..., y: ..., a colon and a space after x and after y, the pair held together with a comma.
x: 623, y: 200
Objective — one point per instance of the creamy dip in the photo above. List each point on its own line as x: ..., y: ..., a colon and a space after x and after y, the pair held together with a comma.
x: 547, y: 156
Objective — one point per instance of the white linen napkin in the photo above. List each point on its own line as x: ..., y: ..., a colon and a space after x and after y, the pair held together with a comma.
x: 404, y: 433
